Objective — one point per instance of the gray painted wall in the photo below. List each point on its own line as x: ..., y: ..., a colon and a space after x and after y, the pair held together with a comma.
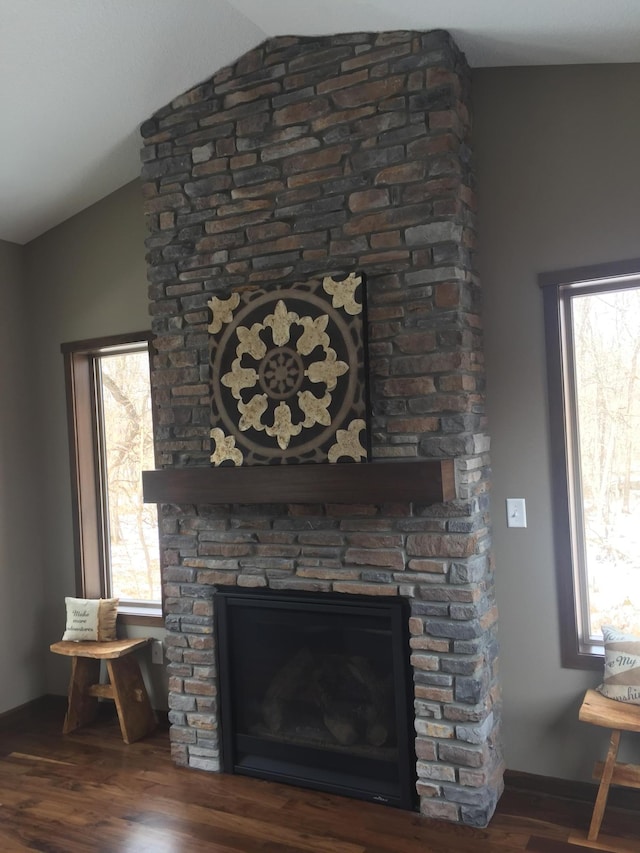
x: 87, y: 278
x: 22, y: 670
x: 558, y: 180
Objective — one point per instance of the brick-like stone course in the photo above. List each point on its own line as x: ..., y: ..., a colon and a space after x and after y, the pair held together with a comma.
x: 310, y: 157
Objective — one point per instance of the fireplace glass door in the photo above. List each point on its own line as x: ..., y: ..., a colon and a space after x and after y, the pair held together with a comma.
x: 315, y: 692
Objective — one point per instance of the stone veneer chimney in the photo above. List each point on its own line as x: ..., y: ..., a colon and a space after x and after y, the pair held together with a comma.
x: 307, y: 157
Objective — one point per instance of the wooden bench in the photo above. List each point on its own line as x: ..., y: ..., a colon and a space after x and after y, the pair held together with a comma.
x: 126, y: 686
x: 617, y: 716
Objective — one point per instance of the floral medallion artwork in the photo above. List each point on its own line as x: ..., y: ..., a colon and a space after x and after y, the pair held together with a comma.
x: 288, y: 374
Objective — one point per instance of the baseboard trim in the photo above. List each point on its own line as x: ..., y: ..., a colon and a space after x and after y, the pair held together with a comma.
x: 27, y: 707
x: 568, y: 789
x: 52, y: 700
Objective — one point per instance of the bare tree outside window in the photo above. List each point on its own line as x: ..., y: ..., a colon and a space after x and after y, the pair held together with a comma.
x: 606, y: 355
x: 127, y: 431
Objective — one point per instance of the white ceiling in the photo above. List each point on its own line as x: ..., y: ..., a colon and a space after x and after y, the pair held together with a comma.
x: 77, y: 77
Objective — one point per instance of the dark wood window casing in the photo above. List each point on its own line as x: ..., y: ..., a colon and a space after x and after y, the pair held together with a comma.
x: 87, y: 487
x: 576, y: 651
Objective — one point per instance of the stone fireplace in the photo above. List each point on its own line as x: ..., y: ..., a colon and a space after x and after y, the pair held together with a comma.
x: 311, y: 157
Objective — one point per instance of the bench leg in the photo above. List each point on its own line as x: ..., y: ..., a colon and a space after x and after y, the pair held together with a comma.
x: 132, y: 700
x: 82, y: 707
x: 605, y: 782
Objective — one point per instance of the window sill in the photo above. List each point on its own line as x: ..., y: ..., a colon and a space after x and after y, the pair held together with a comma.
x: 585, y: 656
x: 151, y: 617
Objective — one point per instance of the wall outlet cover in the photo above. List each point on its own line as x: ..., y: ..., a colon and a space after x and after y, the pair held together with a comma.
x: 157, y: 652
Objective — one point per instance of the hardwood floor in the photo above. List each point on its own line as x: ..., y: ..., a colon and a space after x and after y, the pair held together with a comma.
x: 88, y: 792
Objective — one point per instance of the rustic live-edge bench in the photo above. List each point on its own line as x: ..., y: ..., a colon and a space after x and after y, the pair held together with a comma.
x: 617, y: 716
x: 126, y: 686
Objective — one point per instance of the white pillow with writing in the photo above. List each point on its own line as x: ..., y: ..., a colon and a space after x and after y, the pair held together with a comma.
x: 91, y: 619
x: 621, y: 666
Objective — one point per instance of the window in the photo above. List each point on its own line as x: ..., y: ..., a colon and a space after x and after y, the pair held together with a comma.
x: 592, y: 319
x: 111, y: 443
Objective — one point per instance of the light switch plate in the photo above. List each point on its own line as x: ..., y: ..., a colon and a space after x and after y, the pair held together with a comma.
x: 516, y: 512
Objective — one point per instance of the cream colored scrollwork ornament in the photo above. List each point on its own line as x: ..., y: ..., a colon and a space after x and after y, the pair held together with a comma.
x: 283, y: 428
x: 348, y: 442
x: 343, y: 292
x: 225, y: 448
x: 222, y: 311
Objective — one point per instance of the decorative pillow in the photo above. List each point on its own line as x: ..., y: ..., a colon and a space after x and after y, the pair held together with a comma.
x: 91, y: 619
x: 621, y: 666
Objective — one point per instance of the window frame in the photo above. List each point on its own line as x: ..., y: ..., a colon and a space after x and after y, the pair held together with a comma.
x: 88, y: 494
x: 576, y: 652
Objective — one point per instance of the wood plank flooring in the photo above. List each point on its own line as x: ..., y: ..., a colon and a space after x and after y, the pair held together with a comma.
x: 88, y: 792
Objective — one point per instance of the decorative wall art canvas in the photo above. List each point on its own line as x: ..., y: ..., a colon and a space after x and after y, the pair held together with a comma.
x: 288, y: 374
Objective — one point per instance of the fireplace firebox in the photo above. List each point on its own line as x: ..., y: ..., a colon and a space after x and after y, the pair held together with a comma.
x: 315, y: 691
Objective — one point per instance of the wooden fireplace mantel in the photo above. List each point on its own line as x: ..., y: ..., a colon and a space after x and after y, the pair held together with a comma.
x: 427, y: 481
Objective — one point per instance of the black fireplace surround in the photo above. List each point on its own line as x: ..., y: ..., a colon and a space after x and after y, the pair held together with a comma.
x: 316, y: 692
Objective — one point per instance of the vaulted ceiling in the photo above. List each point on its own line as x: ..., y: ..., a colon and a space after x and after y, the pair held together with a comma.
x: 77, y: 77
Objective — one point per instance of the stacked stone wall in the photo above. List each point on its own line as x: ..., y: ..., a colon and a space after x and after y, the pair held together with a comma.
x: 313, y: 157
